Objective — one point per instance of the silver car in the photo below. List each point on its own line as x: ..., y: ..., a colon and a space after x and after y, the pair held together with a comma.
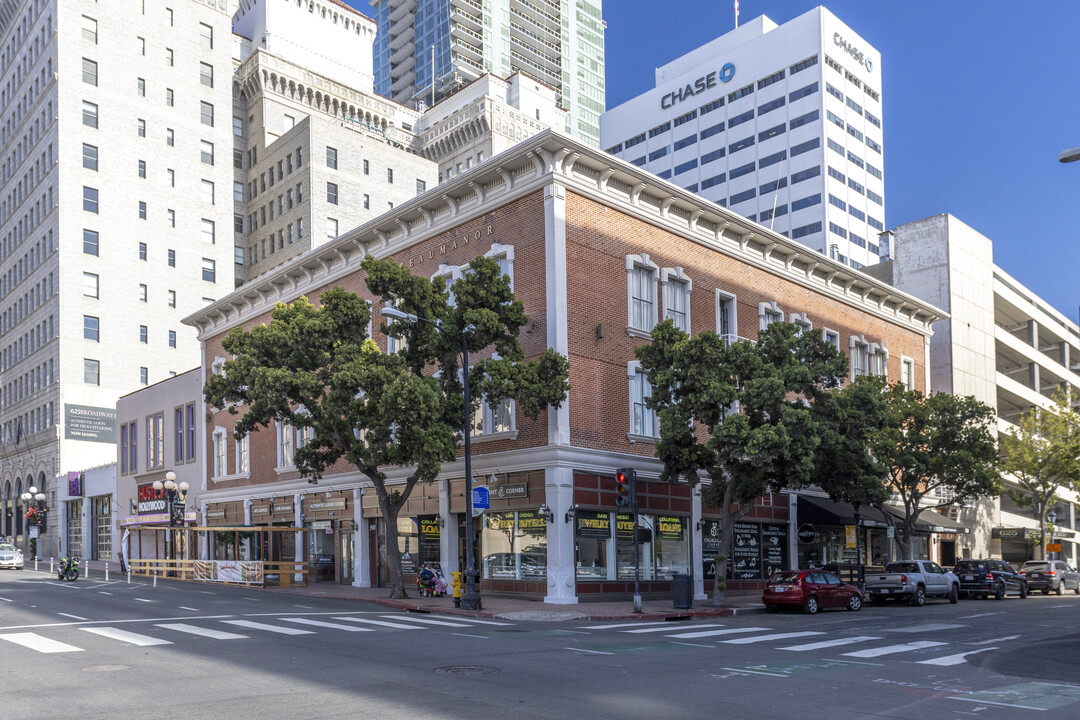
x: 10, y: 556
x: 1051, y: 576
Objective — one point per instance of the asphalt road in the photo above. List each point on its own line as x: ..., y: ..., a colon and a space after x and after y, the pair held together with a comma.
x: 95, y: 650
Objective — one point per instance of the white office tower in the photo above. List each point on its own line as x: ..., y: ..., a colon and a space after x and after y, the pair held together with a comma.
x: 115, y: 178
x: 780, y: 123
x: 450, y: 43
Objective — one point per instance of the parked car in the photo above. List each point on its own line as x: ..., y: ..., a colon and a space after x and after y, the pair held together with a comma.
x: 1051, y: 575
x: 983, y: 578
x: 811, y: 590
x: 912, y: 581
x: 11, y: 557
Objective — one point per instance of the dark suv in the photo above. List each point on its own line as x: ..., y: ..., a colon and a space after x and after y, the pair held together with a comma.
x: 1050, y: 576
x: 984, y: 578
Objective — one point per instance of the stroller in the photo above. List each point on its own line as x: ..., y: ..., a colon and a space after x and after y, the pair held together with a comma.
x: 430, y: 582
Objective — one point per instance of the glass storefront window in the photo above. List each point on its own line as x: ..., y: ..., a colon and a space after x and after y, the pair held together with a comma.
x: 672, y: 547
x: 408, y: 545
x: 74, y: 529
x: 663, y: 547
x: 592, y: 537
x: 624, y: 546
x: 514, y: 546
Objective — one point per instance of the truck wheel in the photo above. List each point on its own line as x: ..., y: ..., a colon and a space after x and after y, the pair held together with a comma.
x: 999, y: 591
x: 954, y: 594
x: 811, y: 605
x: 919, y: 598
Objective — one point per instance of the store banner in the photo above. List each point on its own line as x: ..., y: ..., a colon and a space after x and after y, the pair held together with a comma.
x: 746, y: 552
x: 229, y: 571
x: 849, y: 536
x: 530, y: 520
x: 624, y: 526
x: 670, y: 528
x: 595, y: 525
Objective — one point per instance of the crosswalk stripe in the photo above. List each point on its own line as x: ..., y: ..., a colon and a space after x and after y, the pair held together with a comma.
x: 892, y: 649
x: 474, y: 621
x: 39, y: 643
x: 125, y: 636
x: 767, y: 638
x: 619, y: 625
x: 714, y: 633
x: 320, y: 623
x: 831, y: 643
x: 203, y: 632
x: 956, y: 659
x: 427, y: 621
x: 668, y: 628
x: 269, y: 628
x: 380, y: 623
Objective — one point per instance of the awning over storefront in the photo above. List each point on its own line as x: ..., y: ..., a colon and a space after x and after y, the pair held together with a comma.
x: 1025, y: 534
x: 823, y: 511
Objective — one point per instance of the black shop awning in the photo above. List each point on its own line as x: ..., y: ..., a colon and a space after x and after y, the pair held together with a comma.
x: 823, y: 511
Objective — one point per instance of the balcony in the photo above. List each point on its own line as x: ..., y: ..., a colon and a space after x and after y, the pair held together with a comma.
x: 399, y: 12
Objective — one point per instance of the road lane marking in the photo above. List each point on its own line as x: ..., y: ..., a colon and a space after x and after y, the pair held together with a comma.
x: 931, y: 627
x: 619, y: 625
x: 202, y: 632
x: 891, y: 649
x: 767, y: 638
x: 5, y: 599
x: 1059, y: 606
x: 268, y: 628
x: 102, y: 592
x: 482, y: 637
x: 477, y: 622
x: 667, y: 628
x: 142, y: 600
x: 979, y: 615
x: 714, y: 633
x: 306, y: 607
x: 320, y: 623
x: 426, y: 621
x: 830, y: 643
x: 690, y: 644
x: 994, y: 640
x: 39, y: 643
x: 591, y: 652
x: 382, y: 623
x: 125, y: 636
x: 957, y: 659
x: 73, y: 617
x: 182, y: 607
x: 756, y: 672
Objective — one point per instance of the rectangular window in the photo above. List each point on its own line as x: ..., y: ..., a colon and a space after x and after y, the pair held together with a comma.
x: 142, y: 292
x: 91, y: 372
x: 209, y: 270
x: 142, y: 127
x: 855, y: 186
x: 89, y: 72
x: 421, y: 187
x: 743, y: 196
x: 238, y: 131
x: 740, y: 93
x: 142, y: 210
x: 808, y: 62
x: 772, y: 159
x: 714, y: 105
x: 806, y: 174
x: 873, y: 146
x: 207, y: 191
x: 837, y: 230
x: 907, y: 373
x: 837, y: 148
x: 206, y: 151
x: 208, y: 232
x: 190, y: 431
x: 90, y: 157
x: 740, y: 145
x: 366, y: 166
x: 143, y: 334
x: 805, y: 229
x: 331, y: 228
x: 172, y: 298
x: 677, y: 303
x: 859, y: 355
x: 90, y: 199
x: 854, y: 159
x: 854, y: 106
x: 807, y: 146
x: 834, y: 92
x: 170, y: 137
x: 206, y: 36
x: 855, y: 133
x: 142, y: 169
x: 172, y: 338
x: 390, y: 175
x: 836, y: 174
x: 742, y: 170
x: 642, y: 298
x: 90, y: 285
x: 685, y: 167
x: 140, y: 86
x: 803, y: 92
x: 89, y: 29
x: 332, y: 193
x: 643, y: 420
x: 834, y: 119
x: 331, y: 158
x: 89, y: 114
x: 206, y: 113
x: 170, y: 98
x: 91, y: 328
x: 206, y: 74
x: 90, y: 242
x: 142, y: 251
x: 685, y: 142
x: 873, y: 119
x: 713, y: 181
x: 170, y: 216
x: 169, y: 57
x: 771, y: 105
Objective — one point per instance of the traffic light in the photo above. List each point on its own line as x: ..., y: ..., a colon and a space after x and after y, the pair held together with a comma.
x: 625, y: 496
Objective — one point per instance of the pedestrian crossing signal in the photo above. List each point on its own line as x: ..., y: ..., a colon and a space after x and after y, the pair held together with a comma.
x: 625, y: 497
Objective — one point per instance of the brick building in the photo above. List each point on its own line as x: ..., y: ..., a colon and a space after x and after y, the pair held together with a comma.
x: 598, y: 251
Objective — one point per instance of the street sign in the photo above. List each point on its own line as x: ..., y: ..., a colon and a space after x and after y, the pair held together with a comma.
x: 890, y: 531
x: 1053, y: 547
x: 481, y: 498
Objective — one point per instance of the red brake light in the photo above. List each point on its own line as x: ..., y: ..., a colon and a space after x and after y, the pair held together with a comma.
x: 1052, y: 572
x: 903, y: 579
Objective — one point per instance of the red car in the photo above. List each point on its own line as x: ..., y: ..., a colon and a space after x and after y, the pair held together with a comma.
x: 810, y: 590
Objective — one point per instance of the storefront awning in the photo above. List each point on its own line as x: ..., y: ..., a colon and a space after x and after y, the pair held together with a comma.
x: 930, y: 521
x: 823, y: 511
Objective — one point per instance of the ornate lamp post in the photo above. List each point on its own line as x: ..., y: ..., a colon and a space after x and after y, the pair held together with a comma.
x: 175, y: 499
x: 35, y: 516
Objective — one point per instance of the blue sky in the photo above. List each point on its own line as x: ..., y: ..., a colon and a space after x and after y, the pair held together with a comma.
x: 979, y: 98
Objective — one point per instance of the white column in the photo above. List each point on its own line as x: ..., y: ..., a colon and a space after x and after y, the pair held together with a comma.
x: 793, y: 531
x: 361, y: 543
x: 555, y: 266
x: 301, y: 538
x: 247, y: 521
x: 697, y: 558
x: 559, y: 495
x: 86, y: 531
x: 448, y: 533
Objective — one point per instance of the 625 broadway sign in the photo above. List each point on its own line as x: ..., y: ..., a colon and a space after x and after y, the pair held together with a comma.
x: 92, y: 424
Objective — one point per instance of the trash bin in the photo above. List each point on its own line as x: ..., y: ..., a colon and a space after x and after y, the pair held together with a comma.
x: 683, y: 585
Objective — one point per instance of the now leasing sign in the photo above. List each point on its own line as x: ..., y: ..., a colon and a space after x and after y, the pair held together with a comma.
x: 92, y: 424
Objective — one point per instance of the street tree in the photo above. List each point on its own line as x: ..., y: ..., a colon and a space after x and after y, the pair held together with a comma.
x: 737, y: 414
x: 1042, y: 452
x: 314, y: 367
x: 939, y: 451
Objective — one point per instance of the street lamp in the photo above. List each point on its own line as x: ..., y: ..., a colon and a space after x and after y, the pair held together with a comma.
x: 470, y: 599
x: 175, y: 497
x: 1052, y: 517
x: 35, y: 502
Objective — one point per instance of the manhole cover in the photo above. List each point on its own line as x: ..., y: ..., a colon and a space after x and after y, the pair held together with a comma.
x: 466, y: 670
x: 105, y: 668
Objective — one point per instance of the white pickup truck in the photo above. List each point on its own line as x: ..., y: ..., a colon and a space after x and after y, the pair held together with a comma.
x: 914, y: 581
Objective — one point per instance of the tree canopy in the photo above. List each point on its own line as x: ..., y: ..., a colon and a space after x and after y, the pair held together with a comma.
x: 316, y: 368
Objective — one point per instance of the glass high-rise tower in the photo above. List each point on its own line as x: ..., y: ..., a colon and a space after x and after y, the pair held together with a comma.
x: 427, y: 49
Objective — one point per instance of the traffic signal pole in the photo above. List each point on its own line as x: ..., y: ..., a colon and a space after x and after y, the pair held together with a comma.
x: 637, y: 564
x: 626, y: 497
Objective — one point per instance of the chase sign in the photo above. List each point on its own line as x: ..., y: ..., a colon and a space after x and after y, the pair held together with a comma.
x: 700, y: 85
x: 854, y: 52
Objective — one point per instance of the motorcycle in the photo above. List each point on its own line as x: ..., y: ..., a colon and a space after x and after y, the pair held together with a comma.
x: 68, y: 569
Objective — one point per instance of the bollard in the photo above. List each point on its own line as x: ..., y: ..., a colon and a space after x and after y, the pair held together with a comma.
x: 86, y: 569
x: 129, y: 576
x: 50, y: 566
x: 35, y: 564
x: 155, y: 578
x: 106, y: 572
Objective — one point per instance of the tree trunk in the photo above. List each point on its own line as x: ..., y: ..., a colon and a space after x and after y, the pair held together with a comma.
x: 728, y: 518
x: 393, y: 551
x: 1042, y: 533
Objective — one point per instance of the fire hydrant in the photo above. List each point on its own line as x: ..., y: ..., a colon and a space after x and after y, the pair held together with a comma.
x: 455, y: 586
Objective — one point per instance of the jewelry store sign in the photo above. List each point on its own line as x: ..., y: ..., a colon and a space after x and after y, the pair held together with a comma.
x: 91, y: 424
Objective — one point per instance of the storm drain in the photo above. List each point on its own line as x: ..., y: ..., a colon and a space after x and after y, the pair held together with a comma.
x: 466, y: 670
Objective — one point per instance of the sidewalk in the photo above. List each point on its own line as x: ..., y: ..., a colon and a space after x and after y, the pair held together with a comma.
x: 524, y: 609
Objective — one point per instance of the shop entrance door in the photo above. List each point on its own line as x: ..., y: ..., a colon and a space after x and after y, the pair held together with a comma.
x: 345, y: 553
x: 948, y: 553
x: 478, y: 523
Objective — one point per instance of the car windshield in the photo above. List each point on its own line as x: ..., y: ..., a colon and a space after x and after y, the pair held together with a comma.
x: 1036, y: 566
x: 969, y: 566
x: 784, y: 577
x: 902, y: 567
x: 6, y: 546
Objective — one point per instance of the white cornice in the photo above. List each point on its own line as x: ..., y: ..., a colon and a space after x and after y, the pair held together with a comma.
x: 553, y: 158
